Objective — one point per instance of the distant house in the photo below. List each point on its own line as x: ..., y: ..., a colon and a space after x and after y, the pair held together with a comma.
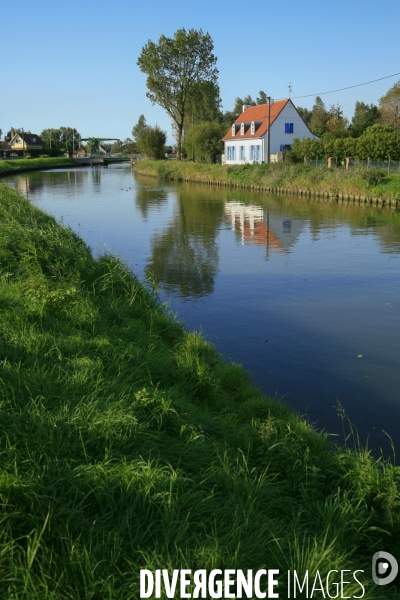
x: 25, y: 141
x: 246, y: 140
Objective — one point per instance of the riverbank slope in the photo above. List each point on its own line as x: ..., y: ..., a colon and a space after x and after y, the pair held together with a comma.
x: 283, y: 178
x: 128, y: 443
x: 9, y: 167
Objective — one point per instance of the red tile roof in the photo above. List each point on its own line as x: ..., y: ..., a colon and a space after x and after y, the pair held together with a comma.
x: 256, y: 113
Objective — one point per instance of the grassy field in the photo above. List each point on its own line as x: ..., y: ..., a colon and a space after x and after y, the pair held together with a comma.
x: 127, y: 443
x: 12, y: 166
x: 357, y: 180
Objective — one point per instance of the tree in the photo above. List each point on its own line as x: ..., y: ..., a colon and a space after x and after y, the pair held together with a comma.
x: 337, y: 123
x: 11, y: 132
x: 51, y: 138
x: 116, y: 148
x: 262, y: 98
x: 325, y: 120
x: 365, y: 115
x: 140, y: 128
x: 389, y: 106
x: 151, y: 142
x: 174, y: 67
x: 319, y: 117
x: 203, y: 104
x: 129, y: 146
x: 305, y: 114
x: 69, y: 137
x: 204, y: 141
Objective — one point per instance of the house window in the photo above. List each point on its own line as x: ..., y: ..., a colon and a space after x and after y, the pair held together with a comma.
x: 242, y: 152
x: 288, y: 127
x: 231, y: 152
x: 253, y: 128
x: 255, y: 153
x: 242, y: 129
x: 234, y: 129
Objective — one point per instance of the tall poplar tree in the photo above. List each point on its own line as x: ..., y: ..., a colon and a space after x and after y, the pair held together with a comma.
x: 174, y: 66
x: 389, y: 106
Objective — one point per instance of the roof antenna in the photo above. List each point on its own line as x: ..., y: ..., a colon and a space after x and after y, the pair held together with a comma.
x: 290, y: 88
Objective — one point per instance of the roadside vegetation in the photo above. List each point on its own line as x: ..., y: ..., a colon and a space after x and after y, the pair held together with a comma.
x: 357, y: 180
x: 128, y: 443
x: 12, y: 166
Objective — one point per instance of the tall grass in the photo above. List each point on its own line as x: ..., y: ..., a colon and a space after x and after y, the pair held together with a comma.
x: 127, y: 443
x: 355, y: 181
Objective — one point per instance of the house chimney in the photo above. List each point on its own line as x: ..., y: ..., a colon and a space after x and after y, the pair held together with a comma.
x: 245, y: 106
x: 12, y: 133
x: 28, y: 132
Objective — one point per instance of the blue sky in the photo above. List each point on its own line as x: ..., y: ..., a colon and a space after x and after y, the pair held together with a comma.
x: 75, y: 61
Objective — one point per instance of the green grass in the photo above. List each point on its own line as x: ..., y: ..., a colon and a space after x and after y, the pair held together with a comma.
x: 11, y: 166
x: 127, y: 443
x: 278, y: 175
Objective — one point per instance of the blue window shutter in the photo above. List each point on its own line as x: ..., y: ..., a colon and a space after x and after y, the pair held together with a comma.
x: 282, y: 148
x: 288, y: 127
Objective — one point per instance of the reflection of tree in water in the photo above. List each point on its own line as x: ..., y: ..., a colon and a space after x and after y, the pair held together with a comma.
x: 184, y: 257
x: 96, y: 178
x: 383, y: 223
x: 147, y: 198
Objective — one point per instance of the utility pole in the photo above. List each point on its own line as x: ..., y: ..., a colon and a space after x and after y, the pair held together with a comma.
x: 73, y: 138
x: 23, y: 142
x: 269, y: 132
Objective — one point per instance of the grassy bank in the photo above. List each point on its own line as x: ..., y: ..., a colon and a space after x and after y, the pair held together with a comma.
x: 31, y: 164
x: 127, y: 443
x: 355, y: 181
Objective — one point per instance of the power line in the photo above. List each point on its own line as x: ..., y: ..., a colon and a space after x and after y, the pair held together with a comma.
x: 347, y: 88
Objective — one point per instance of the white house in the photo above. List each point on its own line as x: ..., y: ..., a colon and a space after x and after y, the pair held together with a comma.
x: 246, y: 140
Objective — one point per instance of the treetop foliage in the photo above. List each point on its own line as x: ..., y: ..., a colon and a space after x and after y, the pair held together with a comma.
x: 389, y: 105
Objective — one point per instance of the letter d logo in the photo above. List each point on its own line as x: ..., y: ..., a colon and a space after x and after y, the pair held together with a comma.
x: 385, y: 560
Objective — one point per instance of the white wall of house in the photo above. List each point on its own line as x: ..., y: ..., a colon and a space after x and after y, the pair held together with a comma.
x: 246, y: 145
x: 300, y: 130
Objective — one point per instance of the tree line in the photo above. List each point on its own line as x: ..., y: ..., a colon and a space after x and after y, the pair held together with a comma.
x: 182, y: 77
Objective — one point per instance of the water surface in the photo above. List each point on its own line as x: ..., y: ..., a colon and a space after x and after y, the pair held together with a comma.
x: 304, y: 294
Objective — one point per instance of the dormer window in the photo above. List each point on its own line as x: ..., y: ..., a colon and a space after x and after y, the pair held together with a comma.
x: 253, y: 128
x: 242, y: 129
x: 234, y: 129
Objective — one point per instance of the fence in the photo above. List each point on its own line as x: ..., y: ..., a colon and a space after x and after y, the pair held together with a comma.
x: 390, y: 166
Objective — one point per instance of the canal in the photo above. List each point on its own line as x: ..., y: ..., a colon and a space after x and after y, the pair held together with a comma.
x: 304, y: 294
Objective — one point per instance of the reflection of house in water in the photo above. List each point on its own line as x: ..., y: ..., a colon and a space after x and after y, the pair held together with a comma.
x: 258, y: 227
x: 26, y: 183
